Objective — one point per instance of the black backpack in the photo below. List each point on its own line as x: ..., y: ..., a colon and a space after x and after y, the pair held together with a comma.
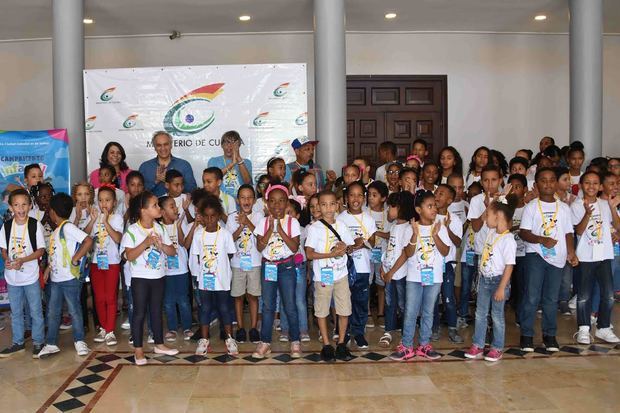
x: 32, y: 232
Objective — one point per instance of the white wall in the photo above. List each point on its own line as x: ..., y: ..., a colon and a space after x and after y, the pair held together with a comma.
x: 504, y: 90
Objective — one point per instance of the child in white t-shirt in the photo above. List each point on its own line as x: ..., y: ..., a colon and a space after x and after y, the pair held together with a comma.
x: 64, y: 271
x: 593, y: 219
x: 496, y: 264
x: 362, y: 225
x: 212, y: 248
x: 246, y: 263
x: 20, y: 252
x: 107, y: 176
x: 518, y: 187
x: 176, y: 294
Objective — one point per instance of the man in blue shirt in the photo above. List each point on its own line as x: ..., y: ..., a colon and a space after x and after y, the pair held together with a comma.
x: 154, y: 170
x: 236, y: 170
x: 304, y: 152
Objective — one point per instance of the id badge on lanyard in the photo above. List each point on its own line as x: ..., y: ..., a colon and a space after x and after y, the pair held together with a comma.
x: 376, y: 255
x: 271, y: 272
x: 616, y: 249
x: 469, y: 257
x: 152, y: 259
x: 327, y: 276
x: 427, y: 276
x: 173, y: 262
x: 208, y: 281
x: 102, y: 260
x: 547, y: 252
x: 245, y: 262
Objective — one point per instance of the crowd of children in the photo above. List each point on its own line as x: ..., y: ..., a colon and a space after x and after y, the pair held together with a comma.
x: 539, y: 233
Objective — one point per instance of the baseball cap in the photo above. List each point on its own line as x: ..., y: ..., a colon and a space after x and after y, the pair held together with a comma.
x: 299, y: 142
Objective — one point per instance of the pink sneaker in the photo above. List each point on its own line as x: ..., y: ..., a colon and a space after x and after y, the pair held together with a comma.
x: 296, y: 350
x: 427, y: 351
x: 474, y: 352
x: 262, y: 350
x: 402, y: 353
x: 493, y: 355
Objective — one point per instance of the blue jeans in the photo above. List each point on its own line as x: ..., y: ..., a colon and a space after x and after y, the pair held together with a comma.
x: 593, y: 273
x: 26, y: 296
x: 420, y: 299
x: 565, y: 285
x: 467, y: 276
x: 286, y: 285
x: 517, y: 287
x: 69, y: 291
x: 300, y: 302
x: 449, y: 299
x: 177, y: 293
x: 359, y: 305
x: 615, y: 270
x: 395, y: 293
x: 215, y: 300
x: 543, y: 286
x: 487, y: 286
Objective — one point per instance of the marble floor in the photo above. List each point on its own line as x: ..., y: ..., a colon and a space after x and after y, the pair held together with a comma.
x: 578, y: 379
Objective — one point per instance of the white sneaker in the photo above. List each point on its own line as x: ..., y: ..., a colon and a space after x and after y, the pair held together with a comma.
x: 110, y: 339
x: 607, y: 335
x: 572, y: 303
x: 283, y: 338
x: 231, y: 346
x: 48, y: 350
x: 81, y: 348
x: 203, y: 347
x: 126, y: 325
x: 100, y: 337
x: 583, y: 335
x: 150, y: 339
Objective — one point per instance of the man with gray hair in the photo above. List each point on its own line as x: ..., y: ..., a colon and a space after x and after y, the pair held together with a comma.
x: 154, y: 170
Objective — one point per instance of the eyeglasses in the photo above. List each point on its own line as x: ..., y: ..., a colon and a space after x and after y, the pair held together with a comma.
x: 393, y: 172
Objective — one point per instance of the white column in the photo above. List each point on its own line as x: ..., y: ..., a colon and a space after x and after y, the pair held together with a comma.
x: 586, y: 74
x: 330, y: 79
x: 68, y: 55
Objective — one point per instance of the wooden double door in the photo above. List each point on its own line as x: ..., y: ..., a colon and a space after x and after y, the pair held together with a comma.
x: 400, y: 109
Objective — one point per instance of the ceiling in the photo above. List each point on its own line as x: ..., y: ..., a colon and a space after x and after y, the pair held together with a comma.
x: 24, y: 19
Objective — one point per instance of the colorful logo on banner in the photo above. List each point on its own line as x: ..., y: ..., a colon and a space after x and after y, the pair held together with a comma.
x: 302, y: 119
x: 191, y: 113
x: 130, y: 122
x: 90, y: 122
x: 107, y: 94
x: 281, y: 90
x: 261, y: 119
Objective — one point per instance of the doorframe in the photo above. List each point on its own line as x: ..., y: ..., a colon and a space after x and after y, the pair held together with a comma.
x: 443, y: 79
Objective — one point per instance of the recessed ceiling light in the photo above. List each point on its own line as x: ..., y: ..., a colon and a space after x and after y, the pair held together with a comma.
x: 540, y: 17
x: 88, y: 20
x: 390, y: 16
x: 245, y: 18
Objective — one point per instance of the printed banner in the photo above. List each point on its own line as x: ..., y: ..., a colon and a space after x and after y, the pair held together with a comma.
x: 48, y: 148
x: 266, y: 104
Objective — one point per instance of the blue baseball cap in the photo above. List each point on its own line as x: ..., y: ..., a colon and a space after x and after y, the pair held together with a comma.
x: 304, y: 140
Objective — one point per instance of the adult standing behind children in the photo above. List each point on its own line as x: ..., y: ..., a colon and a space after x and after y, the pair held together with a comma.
x: 304, y: 152
x: 236, y: 170
x: 154, y: 170
x: 113, y: 155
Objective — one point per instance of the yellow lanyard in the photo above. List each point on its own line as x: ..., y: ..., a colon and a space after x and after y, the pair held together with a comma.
x: 224, y: 199
x: 548, y: 225
x: 18, y: 247
x: 486, y: 252
x: 246, y: 234
x: 598, y: 224
x: 360, y: 221
x: 174, y: 235
x: 327, y: 243
x: 100, y: 237
x: 147, y: 232
x: 427, y: 250
x: 470, y: 238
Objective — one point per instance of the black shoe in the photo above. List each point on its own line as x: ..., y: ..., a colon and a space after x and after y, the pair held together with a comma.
x: 36, y: 349
x: 241, y: 336
x: 551, y: 344
x: 254, y: 336
x: 327, y: 353
x: 13, y: 349
x: 343, y: 353
x: 360, y: 341
x: 197, y: 336
x: 564, y: 309
x: 527, y: 344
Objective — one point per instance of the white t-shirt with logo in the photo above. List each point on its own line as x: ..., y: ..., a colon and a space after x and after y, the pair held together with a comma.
x: 73, y: 236
x: 276, y: 249
x: 322, y: 240
x: 503, y: 249
x: 558, y: 224
x: 361, y: 226
x: 460, y: 209
x: 597, y: 235
x: 102, y: 241
x: 427, y: 255
x: 400, y: 235
x: 476, y: 209
x: 20, y: 247
x: 84, y: 218
x: 143, y: 267
x: 178, y: 265
x: 210, y: 250
x: 456, y: 226
x: 382, y: 224
x: 246, y: 243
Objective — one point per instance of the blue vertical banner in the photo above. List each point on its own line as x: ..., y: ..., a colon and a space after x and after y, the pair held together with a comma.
x: 49, y: 149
